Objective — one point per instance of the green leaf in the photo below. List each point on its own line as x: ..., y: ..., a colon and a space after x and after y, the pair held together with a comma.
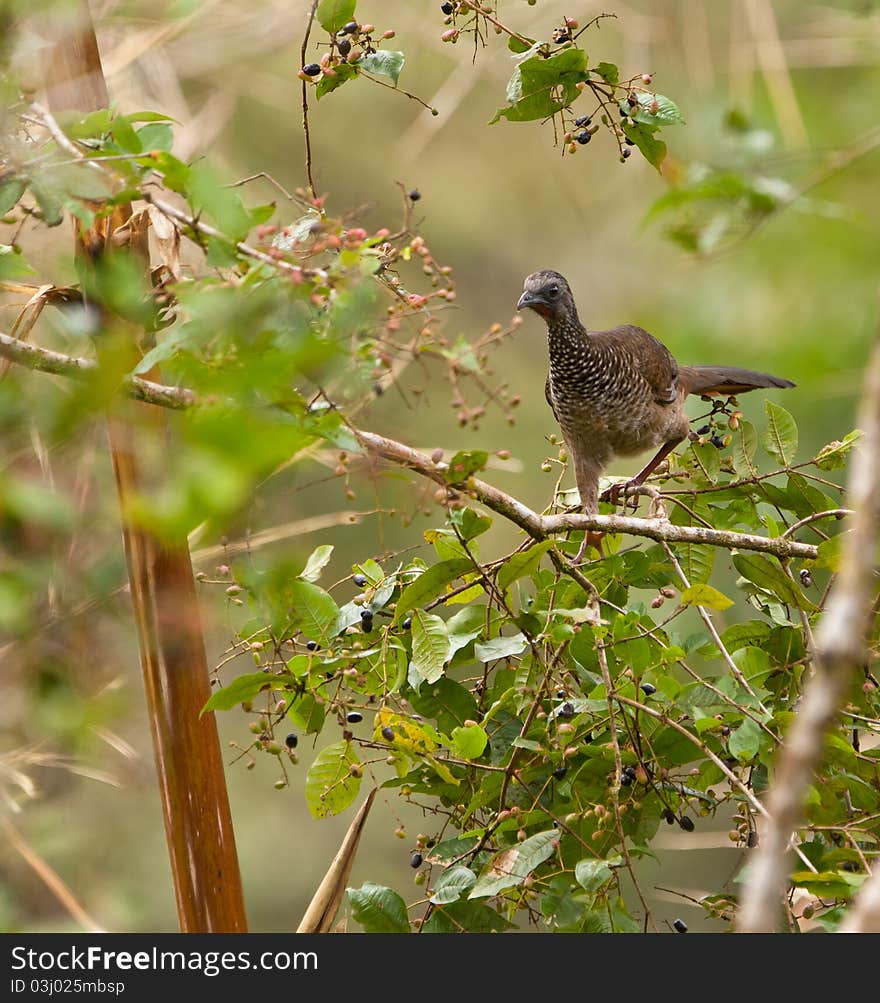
x: 829, y: 554
x: 384, y: 63
x: 696, y: 560
x: 469, y: 742
x: 318, y: 560
x: 462, y: 628
x: 330, y: 785
x: 512, y: 866
x: 430, y: 585
x: 335, y: 14
x: 745, y: 740
x: 524, y: 563
x: 470, y: 523
x: 518, y: 47
x: 466, y: 917
x: 780, y: 438
x: 312, y: 611
x: 465, y: 463
x: 430, y: 646
x: 378, y: 909
x: 667, y: 112
x: 500, y: 647
x: 766, y: 575
x: 341, y: 75
x: 834, y: 455
x: 452, y: 884
x: 705, y: 595
x: 608, y: 72
x: 48, y: 201
x: 591, y: 874
x: 745, y: 445
x: 651, y: 148
x: 243, y: 688
x: 447, y: 702
x: 10, y: 192
x: 706, y: 460
x: 308, y: 713
x: 156, y: 136
x: 541, y: 87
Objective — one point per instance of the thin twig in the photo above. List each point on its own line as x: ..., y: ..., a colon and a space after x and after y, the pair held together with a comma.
x: 305, y: 100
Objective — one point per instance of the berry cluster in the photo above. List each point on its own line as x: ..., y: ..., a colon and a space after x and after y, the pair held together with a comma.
x: 348, y: 47
x: 724, y: 418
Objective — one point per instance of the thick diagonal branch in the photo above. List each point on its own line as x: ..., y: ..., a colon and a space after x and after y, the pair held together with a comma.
x: 536, y: 525
x: 841, y: 648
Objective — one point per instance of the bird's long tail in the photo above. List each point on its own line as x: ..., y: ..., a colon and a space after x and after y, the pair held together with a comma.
x: 726, y: 380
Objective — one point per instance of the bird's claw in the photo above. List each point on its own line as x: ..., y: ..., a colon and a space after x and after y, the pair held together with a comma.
x: 621, y: 488
x: 592, y: 538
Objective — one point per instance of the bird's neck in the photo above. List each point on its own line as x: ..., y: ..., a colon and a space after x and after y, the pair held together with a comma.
x: 566, y: 334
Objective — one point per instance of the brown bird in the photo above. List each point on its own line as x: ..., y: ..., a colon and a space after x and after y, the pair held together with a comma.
x: 618, y: 392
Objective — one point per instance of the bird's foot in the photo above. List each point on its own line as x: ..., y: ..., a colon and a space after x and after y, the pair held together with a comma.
x: 619, y: 491
x: 592, y: 538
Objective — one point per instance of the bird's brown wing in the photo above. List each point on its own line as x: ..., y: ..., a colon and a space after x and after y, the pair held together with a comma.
x: 648, y: 356
x: 549, y: 397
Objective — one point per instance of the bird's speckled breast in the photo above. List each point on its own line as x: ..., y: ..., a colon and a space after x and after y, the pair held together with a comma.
x: 599, y: 395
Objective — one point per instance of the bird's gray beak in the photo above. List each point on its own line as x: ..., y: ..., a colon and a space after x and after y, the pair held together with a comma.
x: 529, y: 299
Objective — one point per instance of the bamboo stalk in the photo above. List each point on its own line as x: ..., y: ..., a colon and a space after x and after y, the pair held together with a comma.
x: 198, y: 823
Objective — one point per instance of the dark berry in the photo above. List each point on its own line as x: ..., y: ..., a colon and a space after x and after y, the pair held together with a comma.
x: 583, y: 137
x: 566, y: 710
x: 627, y: 152
x: 680, y: 926
x: 805, y: 577
x: 648, y: 689
x: 344, y: 46
x: 628, y: 141
x: 351, y: 28
x: 312, y: 70
x: 367, y: 621
x: 312, y: 645
x: 360, y: 580
x: 447, y: 7
x: 630, y: 771
x: 752, y: 840
x: 415, y: 195
x: 407, y: 623
x: 291, y: 741
x: 582, y: 121
x: 669, y: 816
x: 717, y: 442
x: 560, y: 694
x: 561, y: 35
x: 632, y: 100
x: 415, y: 861
x: 703, y: 430
x: 555, y: 824
x: 560, y: 772
x: 388, y: 734
x: 626, y: 780
x: 354, y: 717
x: 686, y: 824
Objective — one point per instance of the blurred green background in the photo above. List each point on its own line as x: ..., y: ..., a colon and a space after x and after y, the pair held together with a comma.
x: 798, y: 297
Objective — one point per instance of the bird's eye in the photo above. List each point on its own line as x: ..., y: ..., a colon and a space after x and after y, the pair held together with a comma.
x: 553, y: 290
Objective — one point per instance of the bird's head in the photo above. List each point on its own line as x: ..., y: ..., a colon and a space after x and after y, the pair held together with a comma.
x: 548, y: 294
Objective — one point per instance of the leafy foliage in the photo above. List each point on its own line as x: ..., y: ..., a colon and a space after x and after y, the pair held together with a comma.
x: 502, y: 715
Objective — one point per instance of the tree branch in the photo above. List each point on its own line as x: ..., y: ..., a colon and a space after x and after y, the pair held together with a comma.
x: 840, y: 650
x: 538, y: 526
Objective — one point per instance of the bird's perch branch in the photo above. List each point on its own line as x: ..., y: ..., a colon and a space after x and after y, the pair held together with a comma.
x: 536, y: 525
x: 840, y: 650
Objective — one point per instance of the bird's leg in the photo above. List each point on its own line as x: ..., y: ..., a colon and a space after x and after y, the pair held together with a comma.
x: 586, y: 471
x: 613, y: 493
